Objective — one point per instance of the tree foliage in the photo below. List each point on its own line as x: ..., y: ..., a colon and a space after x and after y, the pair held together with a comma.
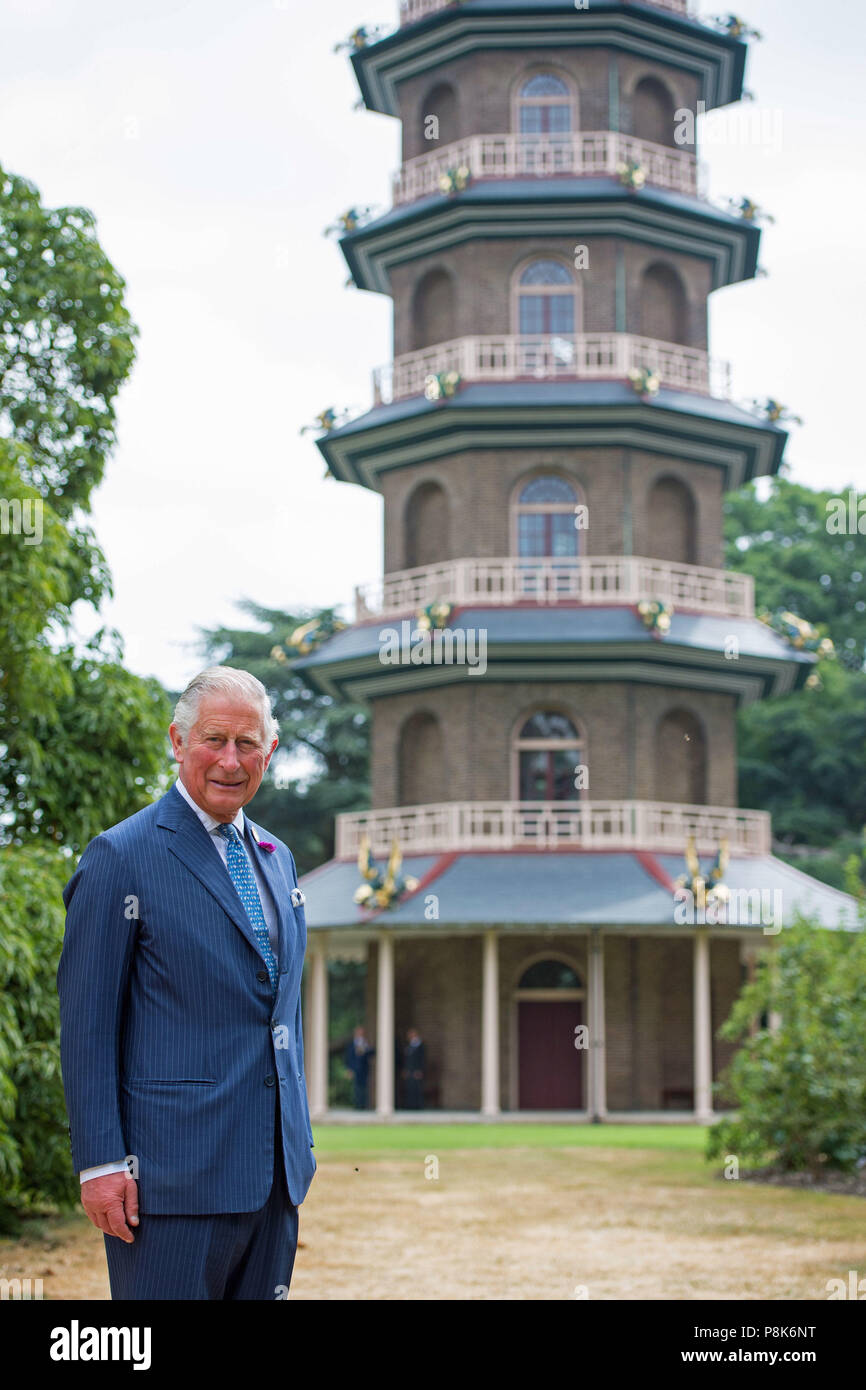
x: 798, y: 564
x: 82, y: 741
x: 803, y: 757
x: 800, y: 1091
x: 66, y: 343
x: 34, y: 1148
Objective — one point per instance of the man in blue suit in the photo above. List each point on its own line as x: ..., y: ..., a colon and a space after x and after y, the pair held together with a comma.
x: 180, y: 1021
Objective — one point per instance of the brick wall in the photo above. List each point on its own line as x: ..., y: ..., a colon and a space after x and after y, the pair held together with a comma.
x: 475, y: 289
x: 473, y: 514
x: 476, y: 94
x: 620, y: 723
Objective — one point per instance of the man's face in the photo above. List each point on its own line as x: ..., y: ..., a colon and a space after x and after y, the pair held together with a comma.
x: 223, y: 760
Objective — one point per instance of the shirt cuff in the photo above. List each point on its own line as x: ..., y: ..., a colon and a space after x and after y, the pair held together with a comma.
x: 120, y: 1166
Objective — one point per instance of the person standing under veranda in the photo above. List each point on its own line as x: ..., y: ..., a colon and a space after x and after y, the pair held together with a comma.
x: 414, y: 1068
x: 180, y: 1021
x: 357, y: 1061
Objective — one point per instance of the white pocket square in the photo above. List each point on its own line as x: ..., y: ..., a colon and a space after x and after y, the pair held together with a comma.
x: 298, y: 897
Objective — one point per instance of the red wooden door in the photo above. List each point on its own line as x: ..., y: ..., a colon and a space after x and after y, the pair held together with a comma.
x: 550, y: 1066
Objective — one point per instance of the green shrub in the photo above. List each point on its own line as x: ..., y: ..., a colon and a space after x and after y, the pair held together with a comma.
x: 35, y: 1163
x: 801, y: 1089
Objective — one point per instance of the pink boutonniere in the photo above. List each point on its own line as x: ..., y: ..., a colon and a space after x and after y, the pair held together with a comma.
x: 263, y: 844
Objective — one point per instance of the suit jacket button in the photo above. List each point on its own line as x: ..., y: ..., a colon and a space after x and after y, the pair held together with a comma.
x: 269, y: 1080
x: 262, y: 975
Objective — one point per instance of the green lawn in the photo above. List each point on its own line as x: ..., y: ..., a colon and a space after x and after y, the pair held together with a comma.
x: 433, y: 1138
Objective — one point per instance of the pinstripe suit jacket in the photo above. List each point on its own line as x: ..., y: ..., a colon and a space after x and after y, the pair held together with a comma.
x: 171, y: 1047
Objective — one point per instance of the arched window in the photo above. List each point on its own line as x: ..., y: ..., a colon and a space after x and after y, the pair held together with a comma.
x: 549, y: 750
x: 545, y: 299
x: 439, y: 116
x: 422, y: 762
x: 550, y: 974
x: 545, y: 518
x: 653, y: 112
x: 544, y: 106
x: 671, y: 525
x: 663, y: 305
x: 427, y: 526
x: 681, y: 759
x: 433, y: 309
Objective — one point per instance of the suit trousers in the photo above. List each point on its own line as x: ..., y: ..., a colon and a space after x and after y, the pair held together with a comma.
x: 237, y: 1255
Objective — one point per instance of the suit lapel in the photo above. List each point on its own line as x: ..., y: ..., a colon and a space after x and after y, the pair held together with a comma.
x: 191, y: 844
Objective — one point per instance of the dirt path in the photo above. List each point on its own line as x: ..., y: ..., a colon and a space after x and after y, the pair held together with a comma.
x: 530, y: 1224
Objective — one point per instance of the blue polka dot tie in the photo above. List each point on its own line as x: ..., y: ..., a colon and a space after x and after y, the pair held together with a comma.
x: 241, y: 875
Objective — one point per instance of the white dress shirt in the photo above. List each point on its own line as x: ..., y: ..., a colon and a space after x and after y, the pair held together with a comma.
x: 220, y: 844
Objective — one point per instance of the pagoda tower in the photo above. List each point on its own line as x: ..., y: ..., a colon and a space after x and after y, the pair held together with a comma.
x: 554, y: 656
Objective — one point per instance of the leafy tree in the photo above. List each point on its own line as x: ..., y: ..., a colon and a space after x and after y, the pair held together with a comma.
x: 329, y: 738
x: 82, y: 741
x: 34, y: 1149
x: 66, y: 343
x: 66, y: 347
x: 800, y: 1090
x: 798, y: 564
x: 803, y: 757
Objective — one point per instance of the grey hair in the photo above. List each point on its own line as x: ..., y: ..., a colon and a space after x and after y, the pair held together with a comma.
x: 224, y: 680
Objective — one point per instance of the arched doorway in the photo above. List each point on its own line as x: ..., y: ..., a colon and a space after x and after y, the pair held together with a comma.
x: 421, y: 772
x: 663, y: 308
x: 548, y: 749
x: 433, y: 318
x: 439, y: 124
x: 671, y: 522
x: 544, y: 109
x: 653, y: 112
x: 544, y: 106
x: 549, y: 1002
x: 427, y: 530
x: 681, y: 759
x: 545, y: 512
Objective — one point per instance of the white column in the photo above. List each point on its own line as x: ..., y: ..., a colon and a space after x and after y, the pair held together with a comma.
x: 317, y: 1026
x: 597, y: 1068
x: 703, y: 1041
x: 490, y: 1025
x: 385, y: 1026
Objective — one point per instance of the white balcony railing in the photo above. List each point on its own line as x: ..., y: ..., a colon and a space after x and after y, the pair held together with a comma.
x: 547, y: 156
x: 593, y: 580
x: 539, y: 357
x: 624, y: 825
x: 413, y: 10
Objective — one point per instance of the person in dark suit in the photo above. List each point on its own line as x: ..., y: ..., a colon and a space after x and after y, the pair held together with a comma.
x: 357, y: 1059
x: 180, y: 1021
x: 414, y: 1067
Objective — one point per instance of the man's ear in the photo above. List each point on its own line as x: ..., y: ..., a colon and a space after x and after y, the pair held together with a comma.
x: 176, y: 742
x: 269, y: 755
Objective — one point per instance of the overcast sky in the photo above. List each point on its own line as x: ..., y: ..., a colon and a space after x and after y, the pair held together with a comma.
x: 215, y: 139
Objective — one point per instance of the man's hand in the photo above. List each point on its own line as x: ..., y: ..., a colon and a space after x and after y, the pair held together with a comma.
x: 111, y: 1202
